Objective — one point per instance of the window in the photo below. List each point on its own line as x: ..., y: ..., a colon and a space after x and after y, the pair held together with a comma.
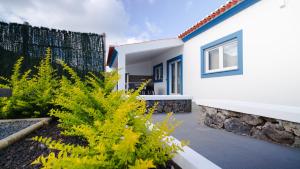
x: 222, y: 57
x: 158, y: 73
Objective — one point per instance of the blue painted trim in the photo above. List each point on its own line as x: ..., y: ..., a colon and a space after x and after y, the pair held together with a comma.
x: 180, y: 58
x: 238, y: 8
x: 160, y: 66
x: 237, y: 35
x: 114, y: 56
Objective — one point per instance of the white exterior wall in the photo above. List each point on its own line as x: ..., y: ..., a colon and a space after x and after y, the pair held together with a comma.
x: 160, y: 88
x: 271, y: 58
x: 142, y: 68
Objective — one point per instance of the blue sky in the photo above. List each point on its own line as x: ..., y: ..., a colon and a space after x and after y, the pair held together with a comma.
x: 123, y: 21
x: 167, y: 18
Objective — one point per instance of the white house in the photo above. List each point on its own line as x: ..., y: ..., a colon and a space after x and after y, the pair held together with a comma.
x: 242, y: 57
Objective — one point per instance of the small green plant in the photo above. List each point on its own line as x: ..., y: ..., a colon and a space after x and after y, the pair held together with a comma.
x: 32, y: 95
x: 118, y: 132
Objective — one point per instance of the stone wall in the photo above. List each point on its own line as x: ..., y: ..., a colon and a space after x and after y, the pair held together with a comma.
x: 175, y: 106
x: 264, y: 128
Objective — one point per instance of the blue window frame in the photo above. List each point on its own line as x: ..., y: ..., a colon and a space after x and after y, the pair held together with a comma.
x: 223, y: 57
x: 158, y: 73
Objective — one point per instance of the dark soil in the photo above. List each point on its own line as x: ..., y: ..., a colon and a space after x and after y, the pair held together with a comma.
x: 21, y: 154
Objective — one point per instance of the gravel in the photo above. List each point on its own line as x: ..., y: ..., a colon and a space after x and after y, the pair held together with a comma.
x: 11, y: 127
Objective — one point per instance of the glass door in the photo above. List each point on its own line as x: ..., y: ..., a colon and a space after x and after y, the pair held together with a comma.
x: 175, y: 77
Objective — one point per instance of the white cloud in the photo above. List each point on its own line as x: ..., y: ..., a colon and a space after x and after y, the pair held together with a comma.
x: 96, y: 16
x: 143, y: 36
x: 152, y: 28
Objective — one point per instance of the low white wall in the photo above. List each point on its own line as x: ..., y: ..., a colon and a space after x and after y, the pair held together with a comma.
x: 160, y: 88
x: 188, y: 158
x: 271, y: 57
x: 165, y: 97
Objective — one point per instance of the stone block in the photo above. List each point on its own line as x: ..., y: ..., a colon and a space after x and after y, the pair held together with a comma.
x: 229, y: 114
x: 297, y: 142
x: 274, y: 132
x: 269, y: 119
x: 175, y: 106
x: 211, y: 111
x: 252, y: 119
x: 215, y: 120
x: 291, y: 127
x: 237, y: 126
x: 257, y: 133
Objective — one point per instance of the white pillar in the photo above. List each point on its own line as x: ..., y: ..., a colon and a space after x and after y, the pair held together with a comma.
x: 122, y: 70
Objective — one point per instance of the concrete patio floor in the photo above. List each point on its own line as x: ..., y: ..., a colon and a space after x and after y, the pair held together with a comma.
x: 231, y: 151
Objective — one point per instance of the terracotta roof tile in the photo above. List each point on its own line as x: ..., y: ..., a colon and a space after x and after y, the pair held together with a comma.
x: 210, y: 17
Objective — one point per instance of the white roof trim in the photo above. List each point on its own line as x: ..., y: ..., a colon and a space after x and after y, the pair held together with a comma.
x: 149, y: 45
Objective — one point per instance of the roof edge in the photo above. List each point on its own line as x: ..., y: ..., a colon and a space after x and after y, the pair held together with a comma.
x: 147, y: 41
x: 224, y: 12
x: 113, y: 49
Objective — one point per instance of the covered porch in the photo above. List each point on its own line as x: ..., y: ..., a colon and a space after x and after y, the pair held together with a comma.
x: 160, y: 62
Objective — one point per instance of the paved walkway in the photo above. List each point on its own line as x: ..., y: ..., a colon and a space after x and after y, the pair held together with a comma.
x: 231, y: 151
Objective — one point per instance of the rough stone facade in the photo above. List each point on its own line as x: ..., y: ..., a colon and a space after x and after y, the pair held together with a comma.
x: 264, y: 128
x: 175, y: 106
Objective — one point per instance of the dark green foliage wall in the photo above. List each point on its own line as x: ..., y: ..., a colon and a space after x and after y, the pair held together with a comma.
x: 83, y: 51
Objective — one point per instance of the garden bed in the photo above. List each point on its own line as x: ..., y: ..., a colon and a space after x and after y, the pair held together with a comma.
x: 22, y: 153
x: 83, y: 106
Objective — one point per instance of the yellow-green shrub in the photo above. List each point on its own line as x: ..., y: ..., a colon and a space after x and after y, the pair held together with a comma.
x: 32, y: 95
x: 114, y: 124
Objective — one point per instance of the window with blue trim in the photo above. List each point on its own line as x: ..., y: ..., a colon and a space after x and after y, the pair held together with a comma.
x: 158, y: 73
x: 223, y: 57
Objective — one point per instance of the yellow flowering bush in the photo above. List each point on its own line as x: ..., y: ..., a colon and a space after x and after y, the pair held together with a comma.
x: 113, y: 123
x: 32, y: 93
